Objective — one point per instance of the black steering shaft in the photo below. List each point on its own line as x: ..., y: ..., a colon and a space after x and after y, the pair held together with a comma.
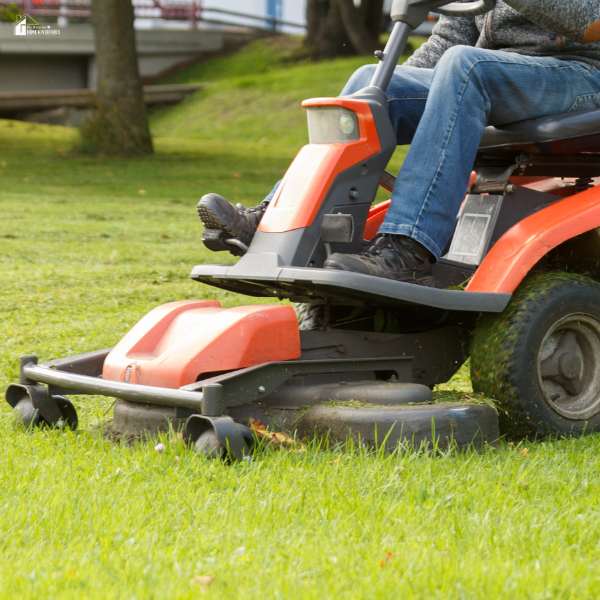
x: 408, y: 15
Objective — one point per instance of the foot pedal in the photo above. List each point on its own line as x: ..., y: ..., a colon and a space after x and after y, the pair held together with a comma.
x: 217, y: 240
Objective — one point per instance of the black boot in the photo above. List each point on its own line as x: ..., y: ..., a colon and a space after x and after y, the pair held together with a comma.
x: 218, y: 213
x: 390, y: 256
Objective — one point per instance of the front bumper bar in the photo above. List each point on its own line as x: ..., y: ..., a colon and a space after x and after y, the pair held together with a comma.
x: 208, y: 398
x: 211, y: 397
x: 115, y: 389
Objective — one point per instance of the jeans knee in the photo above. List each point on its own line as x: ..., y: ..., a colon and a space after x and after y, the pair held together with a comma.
x: 460, y: 58
x: 360, y: 79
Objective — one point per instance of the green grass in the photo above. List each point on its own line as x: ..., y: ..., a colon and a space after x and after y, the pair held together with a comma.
x: 258, y: 98
x: 88, y: 246
x: 261, y: 56
x: 264, y: 107
x: 86, y: 519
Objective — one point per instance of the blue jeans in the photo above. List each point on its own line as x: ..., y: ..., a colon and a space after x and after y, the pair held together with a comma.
x: 442, y: 113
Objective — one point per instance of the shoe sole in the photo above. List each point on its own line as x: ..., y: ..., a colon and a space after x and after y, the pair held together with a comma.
x: 427, y: 281
x: 212, y: 221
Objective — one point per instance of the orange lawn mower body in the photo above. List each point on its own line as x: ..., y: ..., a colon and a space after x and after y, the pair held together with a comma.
x: 532, y: 207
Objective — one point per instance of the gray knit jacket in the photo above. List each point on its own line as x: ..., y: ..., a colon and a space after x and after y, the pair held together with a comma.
x: 565, y: 29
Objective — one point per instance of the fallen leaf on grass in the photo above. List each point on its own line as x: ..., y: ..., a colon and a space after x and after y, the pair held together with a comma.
x: 204, y: 581
x: 258, y: 427
x: 274, y: 437
x: 283, y: 439
x: 177, y: 438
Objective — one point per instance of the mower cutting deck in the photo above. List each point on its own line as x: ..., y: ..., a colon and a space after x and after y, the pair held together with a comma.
x: 523, y: 301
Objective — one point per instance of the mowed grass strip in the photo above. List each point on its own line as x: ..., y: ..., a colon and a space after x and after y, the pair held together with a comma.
x: 88, y: 246
x: 85, y: 518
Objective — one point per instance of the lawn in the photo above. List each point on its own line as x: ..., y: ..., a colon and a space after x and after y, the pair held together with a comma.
x: 88, y: 246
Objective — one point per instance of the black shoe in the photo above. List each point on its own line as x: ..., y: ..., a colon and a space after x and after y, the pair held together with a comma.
x: 390, y: 256
x: 218, y: 213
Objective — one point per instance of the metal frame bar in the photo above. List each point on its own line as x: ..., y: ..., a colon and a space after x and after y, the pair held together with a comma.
x: 116, y: 389
x: 226, y: 390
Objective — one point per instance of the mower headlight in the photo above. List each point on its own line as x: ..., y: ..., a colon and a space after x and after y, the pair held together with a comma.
x: 332, y: 125
x: 347, y: 124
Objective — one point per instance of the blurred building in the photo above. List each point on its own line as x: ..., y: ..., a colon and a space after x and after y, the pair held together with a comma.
x: 291, y: 13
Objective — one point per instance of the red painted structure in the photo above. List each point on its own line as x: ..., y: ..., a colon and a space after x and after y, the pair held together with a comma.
x: 176, y: 343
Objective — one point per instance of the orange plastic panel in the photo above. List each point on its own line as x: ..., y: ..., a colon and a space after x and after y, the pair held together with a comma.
x: 176, y: 342
x: 310, y: 176
x: 375, y: 219
x: 517, y: 251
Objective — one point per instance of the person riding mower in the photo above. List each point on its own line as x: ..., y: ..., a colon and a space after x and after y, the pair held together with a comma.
x: 523, y: 59
x: 501, y: 103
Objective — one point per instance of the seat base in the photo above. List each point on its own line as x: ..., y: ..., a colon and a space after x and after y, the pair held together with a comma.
x: 569, y: 133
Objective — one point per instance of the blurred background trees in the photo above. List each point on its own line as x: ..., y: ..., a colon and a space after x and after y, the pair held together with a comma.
x: 339, y: 27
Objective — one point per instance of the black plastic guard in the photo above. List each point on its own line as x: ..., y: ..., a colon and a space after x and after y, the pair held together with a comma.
x: 302, y: 284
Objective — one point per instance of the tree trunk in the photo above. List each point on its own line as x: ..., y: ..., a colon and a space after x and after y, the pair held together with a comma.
x: 120, y: 124
x: 361, y: 38
x: 371, y: 14
x: 338, y: 27
x: 326, y: 36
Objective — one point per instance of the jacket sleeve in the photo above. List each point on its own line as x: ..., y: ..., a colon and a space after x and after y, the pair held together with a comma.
x: 577, y: 20
x: 448, y: 32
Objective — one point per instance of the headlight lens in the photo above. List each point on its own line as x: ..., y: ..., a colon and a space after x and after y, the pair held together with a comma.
x: 332, y: 125
x: 346, y: 124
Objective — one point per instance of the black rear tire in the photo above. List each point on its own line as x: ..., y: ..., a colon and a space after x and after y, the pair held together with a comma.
x: 540, y: 359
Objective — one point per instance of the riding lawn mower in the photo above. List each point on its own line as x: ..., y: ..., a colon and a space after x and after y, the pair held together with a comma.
x: 516, y: 291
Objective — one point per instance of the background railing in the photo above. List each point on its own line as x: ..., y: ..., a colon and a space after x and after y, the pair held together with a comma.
x: 168, y: 10
x: 191, y: 11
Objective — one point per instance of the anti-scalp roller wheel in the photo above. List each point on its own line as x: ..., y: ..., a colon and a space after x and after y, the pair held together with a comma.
x: 218, y: 437
x: 28, y: 416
